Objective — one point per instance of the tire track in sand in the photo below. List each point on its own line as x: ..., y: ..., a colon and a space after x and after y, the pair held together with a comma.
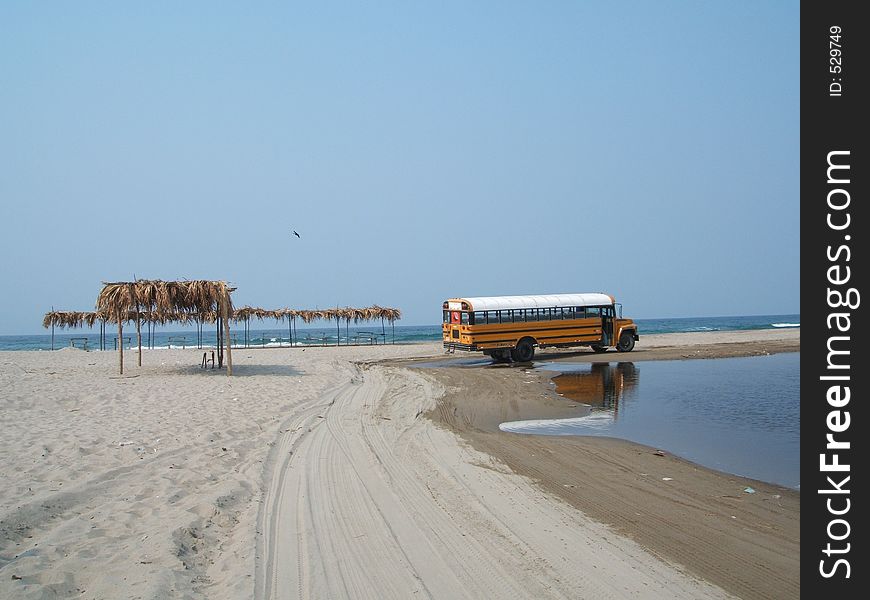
x: 367, y: 500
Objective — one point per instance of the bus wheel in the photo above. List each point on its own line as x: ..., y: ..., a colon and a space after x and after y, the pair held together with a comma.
x: 524, y: 352
x: 598, y: 349
x: 626, y: 342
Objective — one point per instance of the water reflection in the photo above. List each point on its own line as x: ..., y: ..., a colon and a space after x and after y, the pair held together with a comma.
x: 740, y: 415
x: 601, y: 387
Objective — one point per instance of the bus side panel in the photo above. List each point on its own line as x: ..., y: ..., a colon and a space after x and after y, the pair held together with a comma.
x: 506, y: 335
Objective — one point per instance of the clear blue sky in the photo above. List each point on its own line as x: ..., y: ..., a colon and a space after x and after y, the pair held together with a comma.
x: 422, y: 150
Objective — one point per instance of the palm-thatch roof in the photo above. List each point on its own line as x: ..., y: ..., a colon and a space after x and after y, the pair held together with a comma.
x: 356, y: 315
x: 71, y: 319
x: 65, y: 319
x: 163, y: 301
x: 164, y: 298
x: 246, y: 314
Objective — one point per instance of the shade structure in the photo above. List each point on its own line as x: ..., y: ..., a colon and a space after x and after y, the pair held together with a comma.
x: 64, y: 319
x: 370, y: 313
x: 161, y: 302
x: 246, y: 314
x: 166, y: 301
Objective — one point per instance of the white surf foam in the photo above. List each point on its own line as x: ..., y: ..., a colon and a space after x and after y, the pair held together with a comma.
x: 574, y: 426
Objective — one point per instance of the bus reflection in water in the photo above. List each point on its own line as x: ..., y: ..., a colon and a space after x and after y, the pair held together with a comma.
x: 601, y: 387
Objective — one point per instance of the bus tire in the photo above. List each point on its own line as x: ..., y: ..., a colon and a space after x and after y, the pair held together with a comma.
x: 626, y: 342
x: 525, y: 351
x: 598, y: 349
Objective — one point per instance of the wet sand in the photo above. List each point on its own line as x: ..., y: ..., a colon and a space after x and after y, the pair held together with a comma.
x: 749, y: 544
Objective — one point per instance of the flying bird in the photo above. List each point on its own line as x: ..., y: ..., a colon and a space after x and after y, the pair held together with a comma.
x: 297, y: 235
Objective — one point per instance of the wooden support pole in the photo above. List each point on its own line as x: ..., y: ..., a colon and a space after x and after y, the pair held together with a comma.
x: 219, y: 340
x: 139, y: 336
x: 120, y: 343
x: 225, y: 310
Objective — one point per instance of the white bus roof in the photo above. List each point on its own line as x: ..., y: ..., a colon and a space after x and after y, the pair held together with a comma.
x: 542, y: 301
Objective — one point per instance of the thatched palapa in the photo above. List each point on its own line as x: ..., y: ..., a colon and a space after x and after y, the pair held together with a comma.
x: 163, y: 301
x: 246, y: 314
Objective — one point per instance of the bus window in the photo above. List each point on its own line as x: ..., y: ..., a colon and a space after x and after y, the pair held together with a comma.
x: 446, y: 316
x: 593, y: 312
x: 579, y: 312
x: 464, y: 319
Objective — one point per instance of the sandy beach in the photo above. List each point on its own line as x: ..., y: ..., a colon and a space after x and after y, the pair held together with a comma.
x: 352, y: 473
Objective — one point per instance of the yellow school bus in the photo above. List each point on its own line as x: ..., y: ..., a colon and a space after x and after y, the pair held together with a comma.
x: 510, y: 327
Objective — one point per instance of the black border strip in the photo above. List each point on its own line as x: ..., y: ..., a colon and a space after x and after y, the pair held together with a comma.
x: 834, y: 104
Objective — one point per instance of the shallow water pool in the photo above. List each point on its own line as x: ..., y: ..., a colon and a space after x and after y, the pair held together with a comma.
x: 738, y: 415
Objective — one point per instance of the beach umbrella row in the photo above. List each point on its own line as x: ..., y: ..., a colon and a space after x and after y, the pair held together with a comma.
x: 369, y: 313
x: 197, y: 301
x: 348, y: 314
x: 153, y: 302
x: 70, y: 319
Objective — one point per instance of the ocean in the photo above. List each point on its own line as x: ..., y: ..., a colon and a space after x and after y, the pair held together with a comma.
x: 179, y: 337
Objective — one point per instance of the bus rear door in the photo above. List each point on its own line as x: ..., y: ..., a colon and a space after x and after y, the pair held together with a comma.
x: 607, y: 325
